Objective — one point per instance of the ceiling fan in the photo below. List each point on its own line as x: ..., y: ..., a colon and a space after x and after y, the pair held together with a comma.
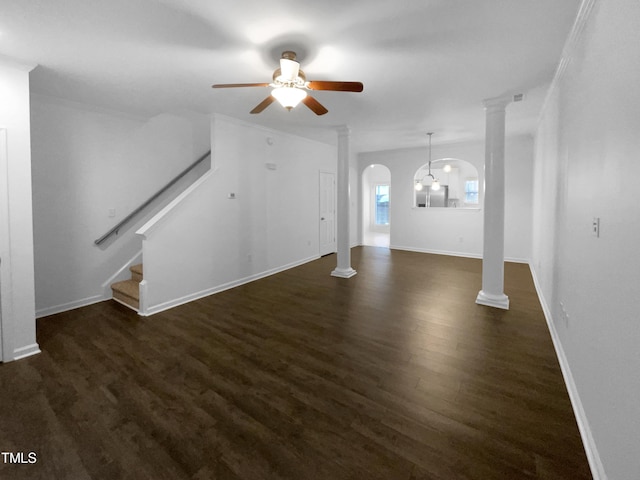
x: 290, y: 87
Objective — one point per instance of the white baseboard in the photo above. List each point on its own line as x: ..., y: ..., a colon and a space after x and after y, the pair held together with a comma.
x: 595, y: 463
x: 455, y: 254
x: 435, y: 252
x: 220, y: 288
x: 526, y: 261
x: 84, y: 302
x: 26, y: 351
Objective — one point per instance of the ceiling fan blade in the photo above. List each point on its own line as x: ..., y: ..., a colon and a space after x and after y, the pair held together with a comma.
x: 336, y: 86
x: 262, y: 105
x: 314, y: 105
x: 233, y: 85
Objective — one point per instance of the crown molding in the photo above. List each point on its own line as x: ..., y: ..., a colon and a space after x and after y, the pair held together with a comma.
x: 569, y: 49
x: 10, y: 62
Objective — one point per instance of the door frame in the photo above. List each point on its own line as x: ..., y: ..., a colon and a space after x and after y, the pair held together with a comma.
x: 5, y: 254
x: 333, y: 248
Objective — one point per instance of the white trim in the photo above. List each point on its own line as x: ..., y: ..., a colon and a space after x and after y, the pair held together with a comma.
x: 568, y: 51
x: 85, y: 302
x: 142, y: 297
x: 490, y: 300
x: 435, y: 252
x: 6, y: 296
x: 26, y: 351
x: 148, y: 227
x: 64, y: 307
x: 343, y: 272
x: 123, y: 273
x: 334, y: 244
x: 86, y: 107
x: 9, y: 62
x: 220, y: 288
x: 595, y: 463
x: 517, y: 260
x: 454, y: 254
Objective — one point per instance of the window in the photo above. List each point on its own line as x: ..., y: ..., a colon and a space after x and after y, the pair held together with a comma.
x: 382, y: 205
x: 471, y: 191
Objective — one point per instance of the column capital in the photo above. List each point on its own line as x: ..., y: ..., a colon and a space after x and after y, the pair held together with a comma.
x: 343, y: 130
x: 497, y: 103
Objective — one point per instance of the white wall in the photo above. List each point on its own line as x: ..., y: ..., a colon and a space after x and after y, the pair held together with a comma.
x: 586, y: 166
x: 87, y: 161
x: 457, y: 231
x: 17, y: 309
x: 208, y: 242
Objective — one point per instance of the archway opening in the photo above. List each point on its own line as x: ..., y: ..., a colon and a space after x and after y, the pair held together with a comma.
x: 456, y: 185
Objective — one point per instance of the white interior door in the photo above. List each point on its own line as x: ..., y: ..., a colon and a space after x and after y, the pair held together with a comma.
x: 327, y: 213
x: 4, y: 230
x: 1, y: 357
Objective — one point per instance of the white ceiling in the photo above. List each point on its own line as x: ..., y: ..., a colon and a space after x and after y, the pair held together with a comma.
x: 426, y: 65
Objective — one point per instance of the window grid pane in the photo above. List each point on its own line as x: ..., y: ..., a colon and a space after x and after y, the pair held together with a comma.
x: 382, y: 205
x: 471, y: 191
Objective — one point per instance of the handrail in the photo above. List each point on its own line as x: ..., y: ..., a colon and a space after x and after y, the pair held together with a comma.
x: 126, y: 219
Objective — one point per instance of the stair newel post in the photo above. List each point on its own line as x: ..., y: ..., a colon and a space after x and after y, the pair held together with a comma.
x: 142, y: 309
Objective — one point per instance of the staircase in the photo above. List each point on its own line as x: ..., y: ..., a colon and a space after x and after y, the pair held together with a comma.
x: 127, y: 292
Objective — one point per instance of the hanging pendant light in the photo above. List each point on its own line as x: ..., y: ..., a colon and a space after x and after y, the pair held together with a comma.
x: 435, y: 184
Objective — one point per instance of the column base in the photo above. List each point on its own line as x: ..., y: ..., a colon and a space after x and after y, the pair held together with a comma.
x: 343, y: 272
x: 490, y: 300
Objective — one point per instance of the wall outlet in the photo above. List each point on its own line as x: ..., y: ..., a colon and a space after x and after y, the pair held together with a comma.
x: 111, y: 212
x: 565, y: 315
x: 595, y: 226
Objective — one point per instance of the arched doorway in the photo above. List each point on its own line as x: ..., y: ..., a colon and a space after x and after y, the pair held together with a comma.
x: 376, y: 196
x: 458, y: 185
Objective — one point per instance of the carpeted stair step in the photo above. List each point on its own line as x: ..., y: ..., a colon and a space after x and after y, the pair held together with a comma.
x: 127, y: 292
x: 136, y: 272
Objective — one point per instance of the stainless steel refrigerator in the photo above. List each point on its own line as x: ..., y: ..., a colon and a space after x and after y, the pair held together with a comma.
x: 433, y: 198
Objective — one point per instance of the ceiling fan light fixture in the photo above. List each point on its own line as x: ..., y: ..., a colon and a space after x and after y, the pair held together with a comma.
x: 418, y: 186
x: 435, y: 185
x: 289, y: 97
x: 290, y: 87
x: 288, y: 70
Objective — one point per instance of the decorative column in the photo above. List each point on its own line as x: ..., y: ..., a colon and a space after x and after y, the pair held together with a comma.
x: 343, y: 269
x: 492, y: 293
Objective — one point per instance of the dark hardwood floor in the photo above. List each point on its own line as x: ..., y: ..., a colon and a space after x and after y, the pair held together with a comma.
x: 393, y: 374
